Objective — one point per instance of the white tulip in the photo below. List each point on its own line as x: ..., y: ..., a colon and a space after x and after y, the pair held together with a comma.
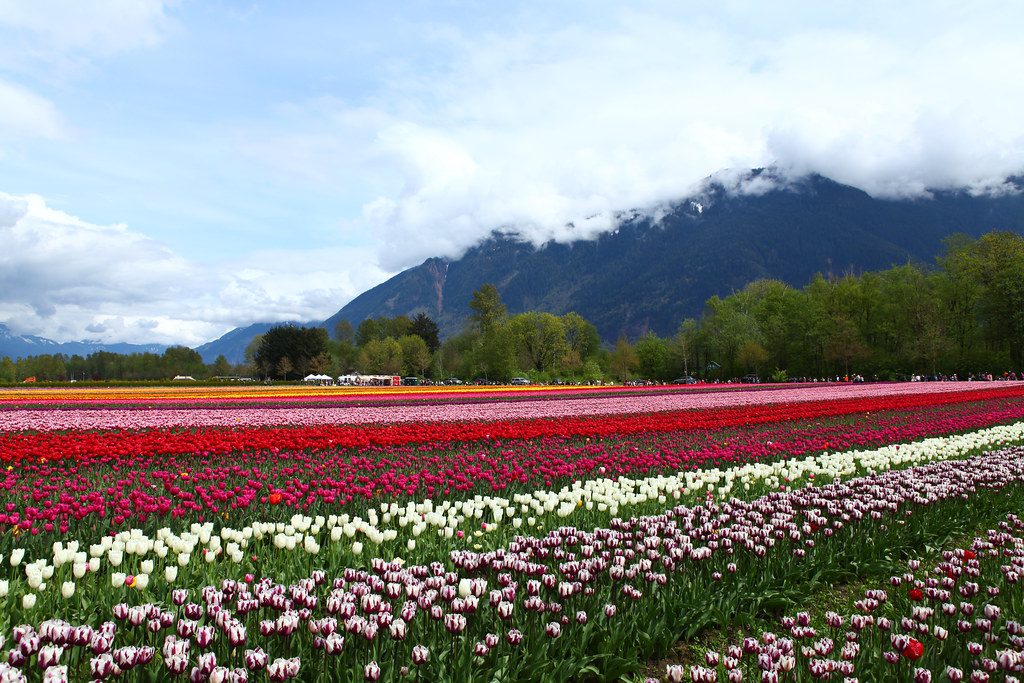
x: 28, y: 601
x: 67, y: 589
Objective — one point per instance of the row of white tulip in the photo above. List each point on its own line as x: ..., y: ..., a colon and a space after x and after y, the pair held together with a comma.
x: 134, y: 550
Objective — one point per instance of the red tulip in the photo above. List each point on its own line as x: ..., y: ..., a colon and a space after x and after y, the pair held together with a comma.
x: 914, y: 649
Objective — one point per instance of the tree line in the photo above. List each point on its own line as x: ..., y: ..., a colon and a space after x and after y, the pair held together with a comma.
x: 494, y: 346
x: 963, y: 315
x: 108, y: 366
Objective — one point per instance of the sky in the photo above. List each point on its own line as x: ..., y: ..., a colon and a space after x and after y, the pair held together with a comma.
x: 172, y: 169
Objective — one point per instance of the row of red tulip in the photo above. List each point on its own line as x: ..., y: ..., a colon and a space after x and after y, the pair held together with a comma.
x: 49, y: 488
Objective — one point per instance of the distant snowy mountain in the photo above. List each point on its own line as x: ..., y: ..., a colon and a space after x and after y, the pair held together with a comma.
x: 17, y: 346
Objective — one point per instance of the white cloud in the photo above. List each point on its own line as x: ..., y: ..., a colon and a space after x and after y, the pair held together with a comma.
x: 550, y: 129
x: 43, y: 41
x: 23, y: 112
x: 65, y: 278
x: 97, y: 27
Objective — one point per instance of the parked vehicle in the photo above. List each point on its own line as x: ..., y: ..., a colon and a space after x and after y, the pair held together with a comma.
x: 520, y: 381
x: 410, y: 381
x: 685, y: 379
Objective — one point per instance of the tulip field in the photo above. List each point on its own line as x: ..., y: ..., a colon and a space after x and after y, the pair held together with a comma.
x: 518, y: 534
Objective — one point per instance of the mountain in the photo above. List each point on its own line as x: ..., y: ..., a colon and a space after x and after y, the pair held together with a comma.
x: 659, y: 267
x: 19, y: 346
x: 233, y: 344
x: 655, y: 270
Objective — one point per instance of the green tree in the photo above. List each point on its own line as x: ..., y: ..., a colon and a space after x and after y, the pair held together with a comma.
x: 493, y: 351
x: 727, y: 324
x: 221, y: 367
x: 381, y: 357
x: 623, y: 360
x: 7, y: 370
x: 844, y: 345
x: 539, y: 340
x: 591, y: 371
x: 580, y: 335
x: 494, y: 355
x: 426, y: 329
x: 320, y: 364
x: 180, y: 360
x: 369, y: 330
x: 456, y: 357
x: 751, y: 356
x: 251, y: 352
x: 284, y: 366
x: 301, y: 345
x: 488, y: 310
x: 653, y: 357
x: 344, y: 332
x: 415, y: 354
x: 993, y: 267
x: 684, y: 345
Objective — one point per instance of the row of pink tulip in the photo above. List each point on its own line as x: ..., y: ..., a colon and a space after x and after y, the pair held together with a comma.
x: 566, y: 406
